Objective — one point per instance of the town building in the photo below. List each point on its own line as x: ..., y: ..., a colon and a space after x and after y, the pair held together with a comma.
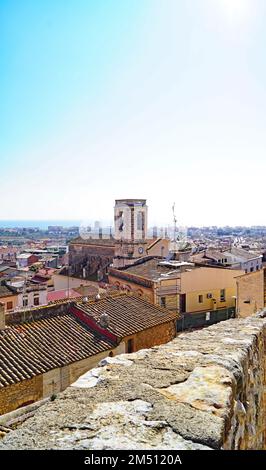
x: 8, y: 253
x: 234, y: 258
x: 44, y: 350
x: 251, y: 292
x: 28, y: 294
x: 24, y: 260
x: 130, y: 320
x: 180, y: 286
x: 90, y: 256
x: 8, y: 298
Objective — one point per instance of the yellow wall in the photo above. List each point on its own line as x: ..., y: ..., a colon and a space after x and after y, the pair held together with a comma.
x: 193, y: 304
x: 160, y: 248
x: 208, y: 279
x: 10, y: 298
x: 64, y: 282
x: 195, y: 282
x: 250, y: 293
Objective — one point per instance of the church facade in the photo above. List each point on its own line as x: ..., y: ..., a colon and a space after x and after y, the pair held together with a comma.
x: 90, y: 257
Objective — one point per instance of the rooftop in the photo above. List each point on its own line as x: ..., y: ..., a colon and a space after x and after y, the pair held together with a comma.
x: 32, y: 348
x: 128, y: 314
x: 62, y: 294
x: 5, y: 292
x: 154, y: 268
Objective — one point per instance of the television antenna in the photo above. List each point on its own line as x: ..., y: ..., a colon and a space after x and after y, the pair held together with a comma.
x: 175, y: 222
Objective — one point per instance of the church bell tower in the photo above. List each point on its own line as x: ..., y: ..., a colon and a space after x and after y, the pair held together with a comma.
x: 130, y: 220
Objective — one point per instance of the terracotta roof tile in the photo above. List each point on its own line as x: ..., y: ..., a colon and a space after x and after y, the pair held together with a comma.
x: 36, y: 347
x: 128, y: 314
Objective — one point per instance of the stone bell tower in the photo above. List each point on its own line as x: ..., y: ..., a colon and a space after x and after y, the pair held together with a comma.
x: 130, y: 220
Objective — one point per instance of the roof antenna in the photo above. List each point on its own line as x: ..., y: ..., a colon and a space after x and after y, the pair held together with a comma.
x: 175, y: 221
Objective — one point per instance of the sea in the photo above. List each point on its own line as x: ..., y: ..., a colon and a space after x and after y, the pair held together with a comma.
x: 41, y: 224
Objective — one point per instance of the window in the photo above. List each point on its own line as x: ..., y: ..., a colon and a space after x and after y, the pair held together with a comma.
x: 222, y: 295
x: 140, y: 221
x: 251, y: 269
x: 25, y: 301
x: 36, y: 301
x: 163, y: 302
x: 209, y: 296
x: 200, y: 299
x: 9, y: 305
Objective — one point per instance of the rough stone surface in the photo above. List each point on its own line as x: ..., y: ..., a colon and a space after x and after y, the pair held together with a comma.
x: 204, y: 390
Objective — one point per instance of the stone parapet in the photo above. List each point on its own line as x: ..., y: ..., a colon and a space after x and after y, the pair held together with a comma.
x: 203, y: 390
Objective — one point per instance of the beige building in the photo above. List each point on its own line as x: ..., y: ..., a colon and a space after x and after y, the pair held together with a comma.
x: 251, y: 293
x: 179, y: 286
x: 8, y: 298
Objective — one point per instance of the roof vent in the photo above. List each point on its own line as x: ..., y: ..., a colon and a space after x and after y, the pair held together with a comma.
x: 98, y: 297
x: 104, y: 320
x: 85, y: 299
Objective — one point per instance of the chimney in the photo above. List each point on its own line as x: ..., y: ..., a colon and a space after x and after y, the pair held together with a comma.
x: 2, y: 317
x: 104, y: 320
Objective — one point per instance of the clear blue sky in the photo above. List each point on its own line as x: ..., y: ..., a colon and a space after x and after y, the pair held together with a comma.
x: 105, y: 99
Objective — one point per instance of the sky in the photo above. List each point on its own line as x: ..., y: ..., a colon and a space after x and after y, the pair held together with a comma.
x: 108, y: 99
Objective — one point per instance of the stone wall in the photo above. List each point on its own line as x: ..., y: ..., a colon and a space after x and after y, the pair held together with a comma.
x: 90, y: 258
x: 203, y: 390
x: 49, y: 383
x: 20, y: 394
x: 159, y: 334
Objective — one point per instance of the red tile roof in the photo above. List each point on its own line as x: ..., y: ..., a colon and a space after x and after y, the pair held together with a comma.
x: 62, y: 294
x: 128, y: 314
x: 33, y: 348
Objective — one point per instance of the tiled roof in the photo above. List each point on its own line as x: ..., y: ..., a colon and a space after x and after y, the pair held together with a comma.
x: 36, y: 347
x: 215, y: 255
x: 241, y: 253
x: 128, y: 314
x: 62, y: 294
x: 5, y: 292
x: 151, y: 269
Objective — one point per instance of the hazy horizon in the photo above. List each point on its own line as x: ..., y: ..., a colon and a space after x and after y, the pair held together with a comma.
x: 44, y: 223
x: 108, y: 99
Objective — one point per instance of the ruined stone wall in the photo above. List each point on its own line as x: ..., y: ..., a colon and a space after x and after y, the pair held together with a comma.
x: 203, y: 390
